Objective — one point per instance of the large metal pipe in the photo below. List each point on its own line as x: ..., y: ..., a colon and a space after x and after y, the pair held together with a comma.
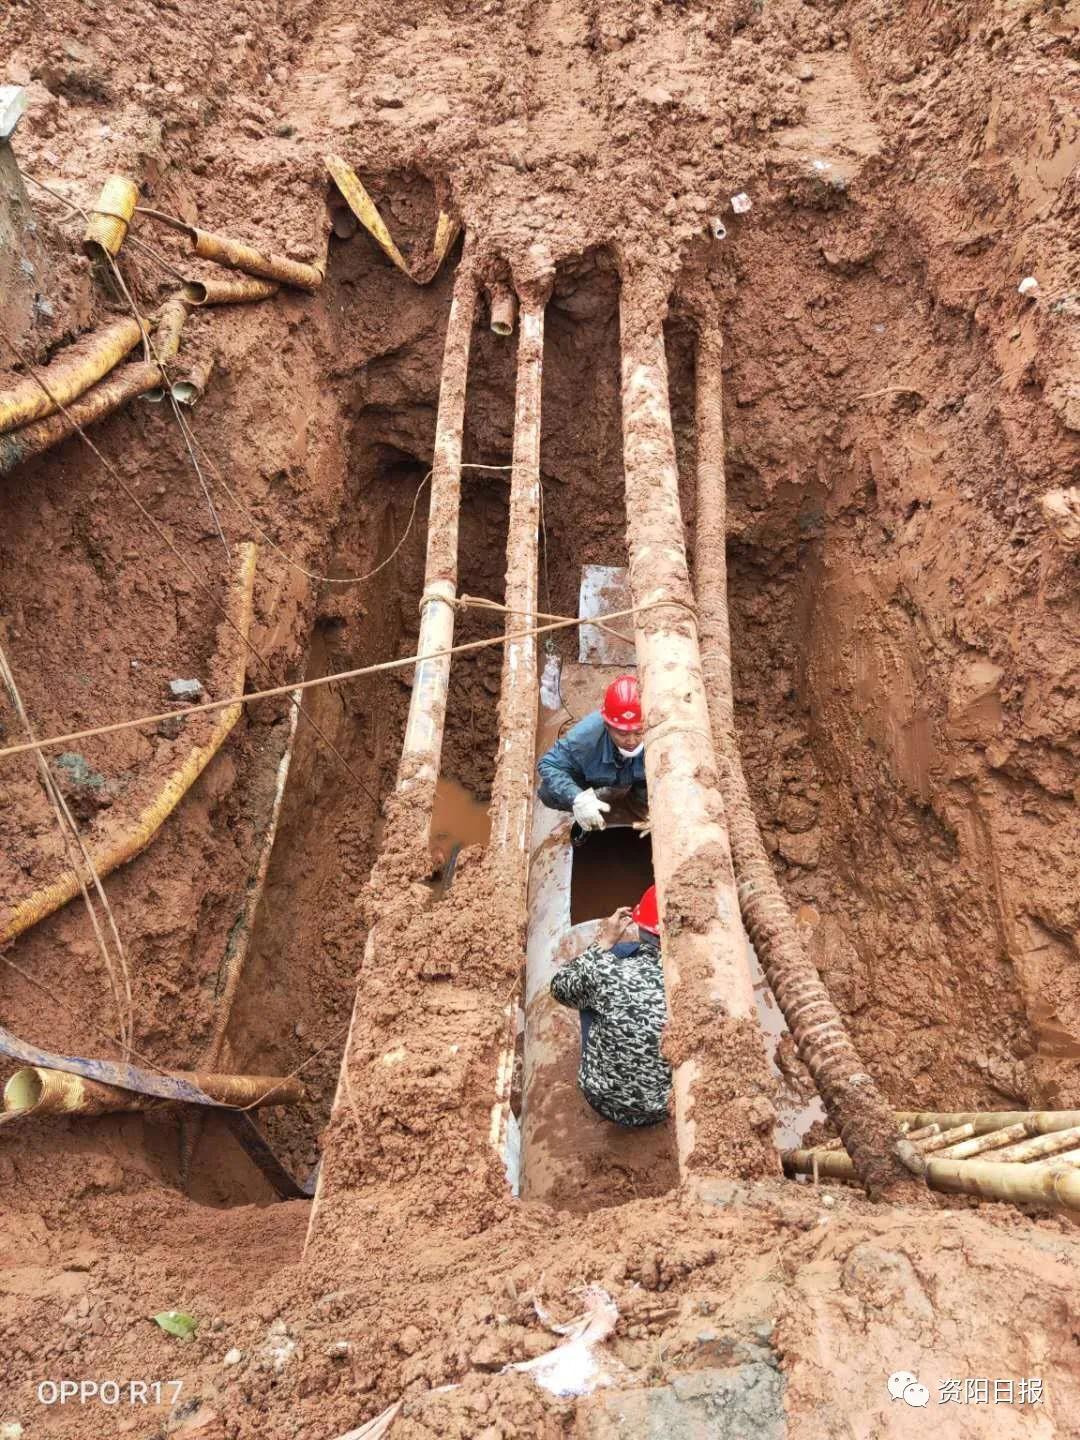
x: 854, y: 1103
x: 723, y: 1111
x: 422, y: 749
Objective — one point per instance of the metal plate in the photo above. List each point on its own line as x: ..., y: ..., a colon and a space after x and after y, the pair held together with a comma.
x: 605, y: 588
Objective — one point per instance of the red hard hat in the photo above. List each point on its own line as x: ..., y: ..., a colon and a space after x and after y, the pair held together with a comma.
x: 622, y: 704
x: 645, y: 912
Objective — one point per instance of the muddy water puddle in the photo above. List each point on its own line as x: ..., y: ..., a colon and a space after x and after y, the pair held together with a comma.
x: 458, y: 819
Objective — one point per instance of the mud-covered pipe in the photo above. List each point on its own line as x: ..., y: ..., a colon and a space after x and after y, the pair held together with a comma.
x: 190, y: 381
x: 114, y: 849
x: 512, y: 790
x: 852, y: 1099
x: 267, y: 266
x: 101, y: 400
x: 69, y: 374
x: 422, y: 748
x: 107, y: 227
x: 228, y: 292
x: 38, y: 1091
x: 722, y: 1083
x: 1039, y: 1122
x: 1051, y: 1183
x: 502, y: 306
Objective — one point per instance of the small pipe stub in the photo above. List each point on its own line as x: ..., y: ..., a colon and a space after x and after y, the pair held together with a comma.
x: 503, y: 305
x: 110, y: 217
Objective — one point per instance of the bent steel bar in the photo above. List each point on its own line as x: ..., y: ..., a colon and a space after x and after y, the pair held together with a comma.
x: 422, y: 749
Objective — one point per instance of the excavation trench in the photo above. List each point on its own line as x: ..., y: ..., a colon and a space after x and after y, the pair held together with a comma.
x: 313, y: 917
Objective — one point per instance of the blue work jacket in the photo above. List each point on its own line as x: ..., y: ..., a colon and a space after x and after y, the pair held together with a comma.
x: 585, y: 758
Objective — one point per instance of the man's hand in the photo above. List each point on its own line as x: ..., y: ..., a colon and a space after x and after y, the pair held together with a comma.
x: 589, y: 810
x: 614, y: 927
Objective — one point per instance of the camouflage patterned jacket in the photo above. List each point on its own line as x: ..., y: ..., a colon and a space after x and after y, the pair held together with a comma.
x: 620, y: 993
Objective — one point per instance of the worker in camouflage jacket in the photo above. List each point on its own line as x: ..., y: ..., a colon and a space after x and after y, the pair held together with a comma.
x: 619, y: 989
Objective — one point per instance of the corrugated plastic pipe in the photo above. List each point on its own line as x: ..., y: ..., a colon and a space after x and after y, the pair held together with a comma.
x: 366, y: 212
x: 109, y: 220
x: 236, y: 255
x: 112, y: 851
x: 36, y: 1091
x: 69, y: 374
x: 502, y: 303
x: 228, y: 292
x: 100, y: 400
x: 854, y: 1103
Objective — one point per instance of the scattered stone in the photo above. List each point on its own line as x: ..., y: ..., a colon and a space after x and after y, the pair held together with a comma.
x: 802, y: 849
x: 1028, y: 286
x: 190, y: 691
x: 339, y: 1349
x: 80, y: 1260
x: 232, y: 1357
x: 806, y: 72
x: 85, y: 790
x: 278, y: 1348
x: 410, y: 1340
x: 1061, y: 511
x: 741, y: 203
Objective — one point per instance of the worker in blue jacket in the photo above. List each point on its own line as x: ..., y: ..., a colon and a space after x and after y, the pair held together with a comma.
x: 603, y: 753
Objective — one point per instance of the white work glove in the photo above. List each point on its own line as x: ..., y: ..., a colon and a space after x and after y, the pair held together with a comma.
x: 589, y: 810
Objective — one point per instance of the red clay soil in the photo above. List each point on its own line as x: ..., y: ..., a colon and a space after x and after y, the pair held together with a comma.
x: 903, y: 541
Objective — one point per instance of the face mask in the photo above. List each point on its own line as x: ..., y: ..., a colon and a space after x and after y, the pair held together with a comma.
x: 629, y: 754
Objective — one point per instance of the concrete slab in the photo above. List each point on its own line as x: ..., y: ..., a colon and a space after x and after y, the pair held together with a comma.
x: 712, y: 1404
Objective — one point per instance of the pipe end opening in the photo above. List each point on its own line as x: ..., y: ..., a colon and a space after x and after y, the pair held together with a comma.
x: 23, y: 1090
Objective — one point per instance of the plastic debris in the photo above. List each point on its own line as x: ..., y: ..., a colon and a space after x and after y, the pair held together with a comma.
x: 740, y: 203
x: 572, y: 1368
x: 177, y: 1322
x: 717, y: 226
x: 374, y: 1428
x: 1028, y: 286
x: 189, y: 690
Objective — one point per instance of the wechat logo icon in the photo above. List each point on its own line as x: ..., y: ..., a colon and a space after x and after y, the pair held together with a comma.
x: 903, y: 1385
